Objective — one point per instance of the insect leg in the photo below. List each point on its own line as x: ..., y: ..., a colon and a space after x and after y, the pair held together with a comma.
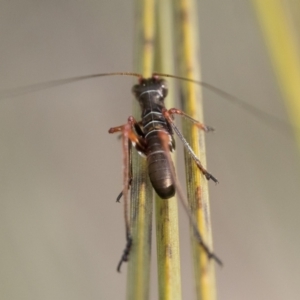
x: 129, y: 183
x: 129, y: 170
x: 136, y: 139
x: 201, y: 126
x: 140, y: 145
x: 169, y: 119
x: 128, y: 138
x: 165, y: 141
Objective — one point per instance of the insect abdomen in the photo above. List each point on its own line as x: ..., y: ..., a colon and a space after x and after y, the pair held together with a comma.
x: 158, y: 168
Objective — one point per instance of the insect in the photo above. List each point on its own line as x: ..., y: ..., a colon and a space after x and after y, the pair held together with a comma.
x: 149, y: 134
x: 147, y: 137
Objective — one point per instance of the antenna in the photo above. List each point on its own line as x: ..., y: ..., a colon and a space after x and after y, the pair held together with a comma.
x: 253, y: 110
x: 49, y: 84
x: 265, y: 117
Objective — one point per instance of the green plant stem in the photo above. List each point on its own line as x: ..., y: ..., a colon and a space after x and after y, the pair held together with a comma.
x: 197, y: 189
x: 141, y: 203
x: 167, y: 232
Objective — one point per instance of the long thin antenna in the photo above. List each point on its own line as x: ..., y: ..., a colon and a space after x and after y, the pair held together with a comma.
x: 265, y: 117
x: 49, y: 84
x: 256, y: 112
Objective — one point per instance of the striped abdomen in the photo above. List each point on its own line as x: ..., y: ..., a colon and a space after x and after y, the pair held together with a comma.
x: 158, y: 167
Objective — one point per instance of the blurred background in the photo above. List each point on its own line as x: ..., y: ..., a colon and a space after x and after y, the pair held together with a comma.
x: 61, y: 231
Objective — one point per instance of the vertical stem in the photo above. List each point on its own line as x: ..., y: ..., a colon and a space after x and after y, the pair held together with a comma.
x: 167, y: 232
x: 197, y: 189
x: 138, y: 279
x: 281, y: 42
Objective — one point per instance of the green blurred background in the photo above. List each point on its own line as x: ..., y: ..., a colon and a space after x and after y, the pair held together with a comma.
x: 61, y: 231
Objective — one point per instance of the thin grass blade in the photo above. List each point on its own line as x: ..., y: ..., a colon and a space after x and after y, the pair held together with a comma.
x: 282, y: 40
x: 138, y: 279
x: 197, y: 188
x: 167, y: 232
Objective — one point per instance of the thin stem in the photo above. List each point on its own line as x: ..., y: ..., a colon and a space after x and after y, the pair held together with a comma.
x: 138, y: 279
x: 281, y: 41
x: 197, y: 189
x: 167, y: 231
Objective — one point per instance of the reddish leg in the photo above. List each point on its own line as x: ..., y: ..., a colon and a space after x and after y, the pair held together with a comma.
x: 137, y: 141
x: 128, y: 137
x: 201, y: 126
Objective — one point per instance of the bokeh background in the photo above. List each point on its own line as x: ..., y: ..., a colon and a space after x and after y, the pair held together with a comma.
x: 61, y: 232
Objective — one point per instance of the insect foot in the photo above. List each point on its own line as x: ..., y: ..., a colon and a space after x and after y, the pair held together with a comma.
x: 126, y: 253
